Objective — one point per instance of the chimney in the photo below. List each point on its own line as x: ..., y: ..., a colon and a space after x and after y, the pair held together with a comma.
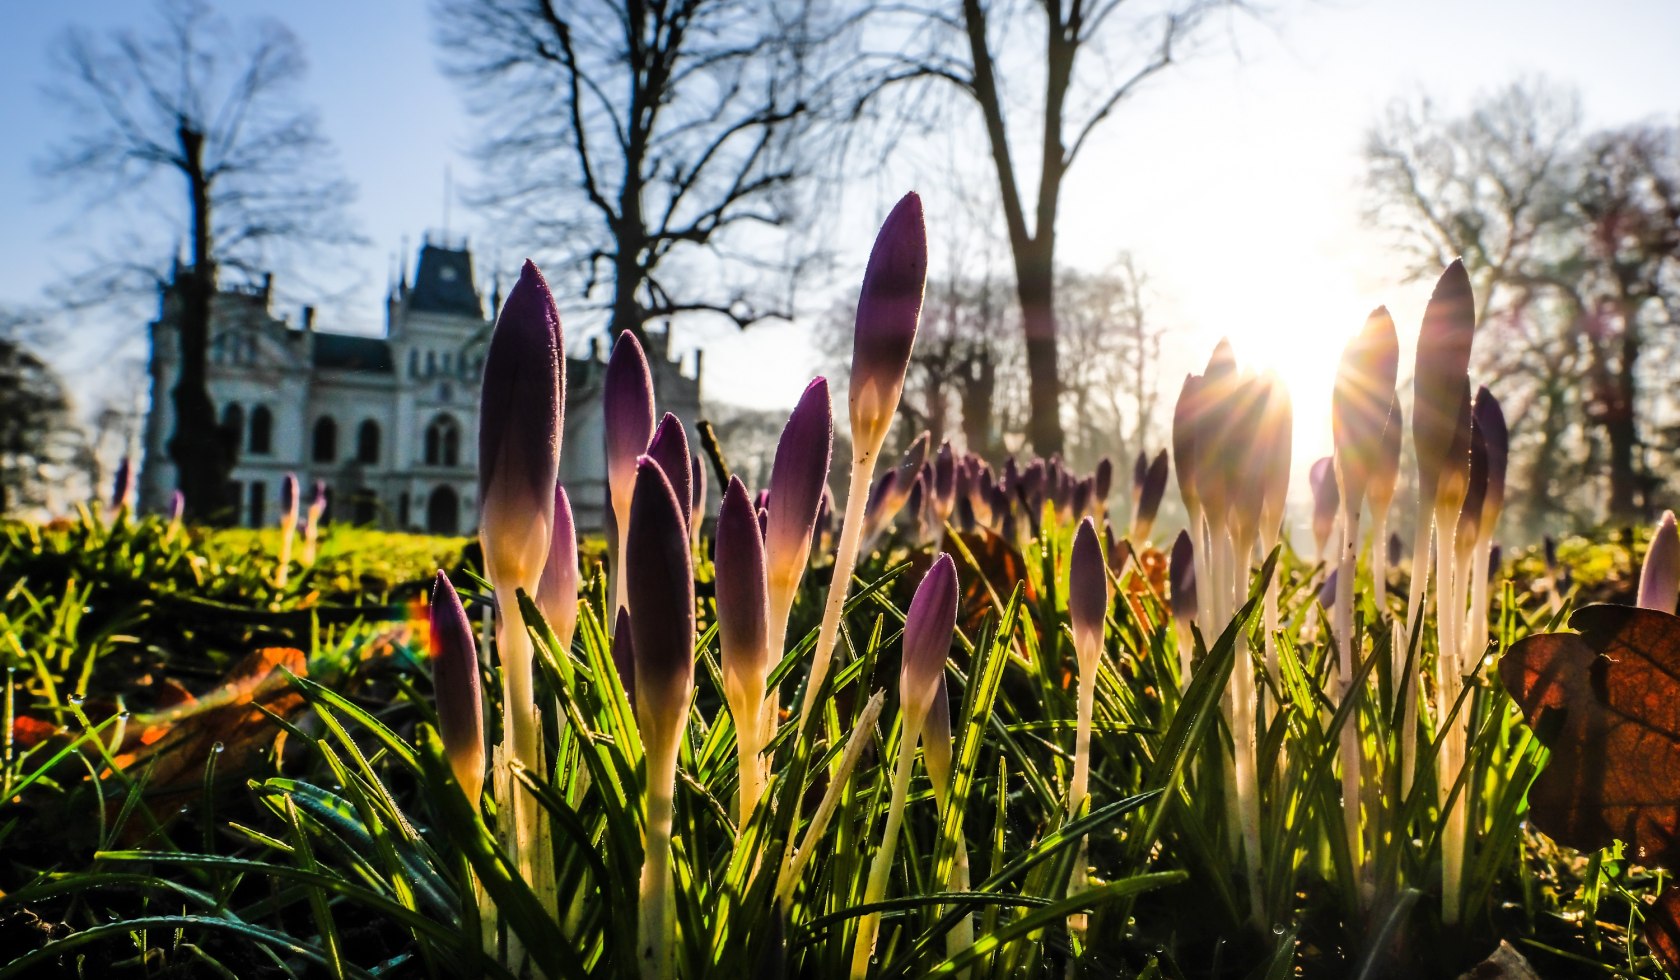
x: 268, y: 288
x: 309, y: 318
x: 594, y: 348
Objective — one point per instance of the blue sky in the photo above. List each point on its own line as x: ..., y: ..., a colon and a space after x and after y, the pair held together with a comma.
x: 1234, y: 178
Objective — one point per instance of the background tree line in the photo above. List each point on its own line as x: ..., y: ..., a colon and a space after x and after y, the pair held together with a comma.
x: 1572, y: 236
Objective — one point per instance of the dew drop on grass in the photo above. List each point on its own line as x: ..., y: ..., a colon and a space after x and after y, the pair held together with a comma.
x: 124, y: 715
x: 218, y: 748
x: 1277, y: 929
x: 76, y: 699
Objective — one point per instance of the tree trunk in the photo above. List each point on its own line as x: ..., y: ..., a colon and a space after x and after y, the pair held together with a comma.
x: 1035, y: 286
x: 202, y: 454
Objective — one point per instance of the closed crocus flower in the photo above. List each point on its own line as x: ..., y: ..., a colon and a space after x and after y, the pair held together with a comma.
x: 460, y: 708
x: 557, y: 590
x: 1489, y: 420
x: 927, y: 639
x: 797, y: 480
x: 1181, y: 576
x: 669, y: 449
x: 1659, y: 579
x: 177, y: 506
x: 743, y: 603
x: 1149, y: 497
x: 661, y: 607
x: 661, y: 594
x: 889, y: 306
x: 1395, y: 546
x: 520, y: 418
x: 1276, y: 446
x: 1443, y: 360
x: 1359, y: 406
x: 1102, y: 484
x: 312, y: 521
x: 1387, y: 473
x: 1181, y: 579
x: 944, y: 481
x: 1088, y: 595
x: 624, y: 655
x: 627, y: 426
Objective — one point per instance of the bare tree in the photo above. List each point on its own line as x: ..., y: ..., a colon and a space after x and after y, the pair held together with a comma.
x: 1096, y: 54
x: 198, y: 127
x: 1573, y: 241
x: 643, y: 141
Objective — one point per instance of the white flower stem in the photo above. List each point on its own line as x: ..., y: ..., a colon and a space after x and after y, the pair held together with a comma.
x: 655, y: 921
x: 845, y: 559
x: 1344, y: 643
x: 870, y: 924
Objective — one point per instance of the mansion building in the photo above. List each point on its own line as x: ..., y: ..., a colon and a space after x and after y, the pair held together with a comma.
x: 389, y: 424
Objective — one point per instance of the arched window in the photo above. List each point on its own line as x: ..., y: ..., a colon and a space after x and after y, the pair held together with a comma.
x: 326, y: 440
x: 443, y: 442
x: 431, y: 363
x: 233, y: 424
x: 443, y: 511
x: 367, y: 443
x: 262, y: 431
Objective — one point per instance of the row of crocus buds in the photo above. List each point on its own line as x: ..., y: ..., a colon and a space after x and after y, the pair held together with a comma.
x: 1231, y: 448
x: 520, y: 426
x: 928, y: 625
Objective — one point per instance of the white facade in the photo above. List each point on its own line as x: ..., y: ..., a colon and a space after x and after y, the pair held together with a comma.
x: 390, y: 424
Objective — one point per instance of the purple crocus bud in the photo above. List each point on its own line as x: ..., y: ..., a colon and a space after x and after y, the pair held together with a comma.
x: 627, y: 418
x: 1394, y: 548
x: 797, y: 480
x: 927, y: 641
x: 1496, y: 560
x: 661, y: 594
x: 944, y: 481
x: 289, y: 499
x: 1082, y: 497
x: 460, y: 708
x: 1119, y: 551
x: 1443, y: 361
x: 1103, y: 483
x: 122, y: 485
x: 743, y: 605
x: 177, y: 506
x: 520, y: 419
x: 1476, y: 487
x: 557, y: 590
x: 889, y: 305
x: 1359, y: 406
x: 1326, y: 502
x: 1327, y: 591
x: 669, y: 449
x: 1489, y: 420
x: 1181, y: 575
x: 1088, y: 596
x: 318, y: 502
x: 1149, y: 497
x: 1659, y: 579
x: 1140, y: 474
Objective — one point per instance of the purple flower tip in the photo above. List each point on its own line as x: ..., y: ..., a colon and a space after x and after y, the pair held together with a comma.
x: 797, y: 479
x: 289, y: 495
x: 660, y: 592
x: 927, y: 638
x: 455, y: 682
x: 1181, y: 572
x: 889, y: 306
x: 627, y: 415
x: 669, y: 448
x: 1659, y: 579
x: 1087, y: 591
x: 743, y: 598
x: 519, y: 429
